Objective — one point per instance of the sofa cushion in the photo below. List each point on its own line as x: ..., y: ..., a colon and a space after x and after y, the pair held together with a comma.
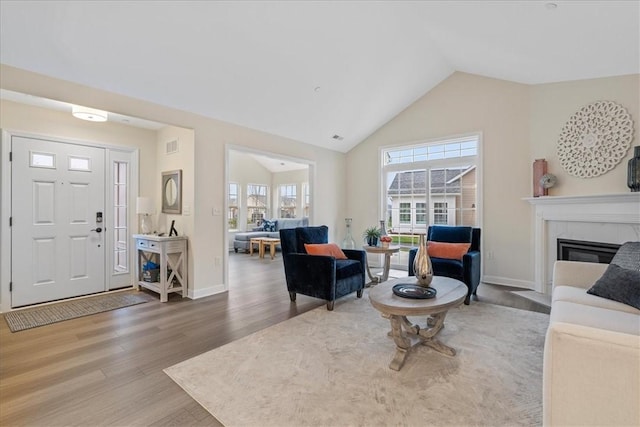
x: 451, y: 234
x: 246, y: 236
x: 595, y: 317
x: 304, y: 235
x: 285, y: 223
x: 447, y: 267
x: 269, y: 225
x: 580, y: 296
x: 347, y: 267
x: 330, y: 249
x: 628, y: 256
x: 447, y: 250
x: 619, y: 284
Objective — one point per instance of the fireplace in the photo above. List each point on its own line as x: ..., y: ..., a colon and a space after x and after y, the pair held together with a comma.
x: 611, y: 218
x: 585, y: 251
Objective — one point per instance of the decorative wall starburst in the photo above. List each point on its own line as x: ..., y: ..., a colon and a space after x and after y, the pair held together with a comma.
x: 595, y: 139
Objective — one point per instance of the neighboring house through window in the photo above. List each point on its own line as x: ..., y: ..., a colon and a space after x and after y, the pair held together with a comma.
x: 287, y: 201
x: 256, y: 203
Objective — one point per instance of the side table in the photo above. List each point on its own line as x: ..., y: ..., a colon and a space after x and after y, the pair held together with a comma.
x: 168, y: 252
x: 387, y: 261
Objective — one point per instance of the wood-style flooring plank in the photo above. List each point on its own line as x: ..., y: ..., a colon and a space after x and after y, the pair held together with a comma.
x: 107, y: 369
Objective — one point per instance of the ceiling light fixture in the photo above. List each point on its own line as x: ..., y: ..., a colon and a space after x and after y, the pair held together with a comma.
x: 90, y: 114
x: 337, y: 137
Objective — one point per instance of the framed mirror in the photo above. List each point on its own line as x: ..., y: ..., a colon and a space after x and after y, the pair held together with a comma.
x: 172, y: 192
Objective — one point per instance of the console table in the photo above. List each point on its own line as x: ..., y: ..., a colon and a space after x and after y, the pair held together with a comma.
x: 170, y: 253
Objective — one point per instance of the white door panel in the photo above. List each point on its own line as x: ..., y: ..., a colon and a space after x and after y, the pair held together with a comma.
x: 56, y: 250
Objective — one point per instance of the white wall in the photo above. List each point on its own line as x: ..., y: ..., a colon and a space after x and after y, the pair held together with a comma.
x: 182, y: 160
x: 464, y: 104
x: 211, y: 137
x: 19, y: 118
x: 553, y: 104
x: 519, y: 123
x: 41, y: 121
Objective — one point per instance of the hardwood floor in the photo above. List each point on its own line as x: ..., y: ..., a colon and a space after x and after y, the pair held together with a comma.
x: 107, y: 369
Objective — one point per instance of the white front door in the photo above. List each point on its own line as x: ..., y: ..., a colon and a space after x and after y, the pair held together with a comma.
x: 58, y: 200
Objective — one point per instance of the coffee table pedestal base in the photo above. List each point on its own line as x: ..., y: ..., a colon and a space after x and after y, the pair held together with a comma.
x: 406, y: 335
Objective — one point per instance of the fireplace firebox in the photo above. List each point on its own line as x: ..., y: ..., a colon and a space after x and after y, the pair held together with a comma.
x: 581, y: 250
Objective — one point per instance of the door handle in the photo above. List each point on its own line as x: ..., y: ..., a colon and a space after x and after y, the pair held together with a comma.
x: 97, y: 230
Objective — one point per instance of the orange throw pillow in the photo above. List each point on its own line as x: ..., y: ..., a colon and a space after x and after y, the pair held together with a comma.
x: 330, y: 249
x: 447, y: 250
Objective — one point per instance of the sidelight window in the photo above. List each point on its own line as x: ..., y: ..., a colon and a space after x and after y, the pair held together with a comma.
x: 120, y: 222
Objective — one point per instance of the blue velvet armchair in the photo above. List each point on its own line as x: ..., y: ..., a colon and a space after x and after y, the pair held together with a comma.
x: 320, y: 276
x: 466, y: 270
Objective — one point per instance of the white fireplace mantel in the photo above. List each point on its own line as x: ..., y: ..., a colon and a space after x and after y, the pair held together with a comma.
x: 616, y: 216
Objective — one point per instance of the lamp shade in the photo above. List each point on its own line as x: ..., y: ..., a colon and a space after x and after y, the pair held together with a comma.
x: 144, y: 206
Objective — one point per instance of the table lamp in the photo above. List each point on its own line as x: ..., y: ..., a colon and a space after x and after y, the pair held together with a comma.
x: 144, y: 207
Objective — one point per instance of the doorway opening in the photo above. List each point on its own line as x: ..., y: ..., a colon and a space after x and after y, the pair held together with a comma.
x: 262, y: 187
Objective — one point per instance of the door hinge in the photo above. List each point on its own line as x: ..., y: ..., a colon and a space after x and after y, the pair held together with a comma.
x: 10, y: 221
x: 10, y: 286
x: 10, y: 156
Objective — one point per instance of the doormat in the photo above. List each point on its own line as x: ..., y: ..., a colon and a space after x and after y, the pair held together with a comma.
x: 58, y: 312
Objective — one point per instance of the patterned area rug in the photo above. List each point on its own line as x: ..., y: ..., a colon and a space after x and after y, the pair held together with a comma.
x: 332, y: 369
x: 65, y: 310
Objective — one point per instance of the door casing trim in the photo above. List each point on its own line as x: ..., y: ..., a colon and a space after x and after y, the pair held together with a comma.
x: 5, y: 200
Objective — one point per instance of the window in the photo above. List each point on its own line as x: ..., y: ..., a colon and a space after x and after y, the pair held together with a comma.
x: 232, y: 213
x: 288, y: 201
x: 42, y: 160
x: 256, y: 203
x: 405, y: 213
x: 79, y: 164
x: 421, y: 213
x: 440, y: 213
x: 429, y: 183
x: 307, y: 199
x: 120, y: 223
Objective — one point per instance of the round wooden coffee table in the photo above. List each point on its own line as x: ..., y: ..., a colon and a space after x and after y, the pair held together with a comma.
x: 450, y: 293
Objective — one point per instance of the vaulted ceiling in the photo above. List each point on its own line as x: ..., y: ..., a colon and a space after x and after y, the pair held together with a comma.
x: 312, y: 70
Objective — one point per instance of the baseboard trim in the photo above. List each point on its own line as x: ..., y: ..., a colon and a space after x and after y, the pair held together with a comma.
x: 205, y: 292
x: 507, y: 281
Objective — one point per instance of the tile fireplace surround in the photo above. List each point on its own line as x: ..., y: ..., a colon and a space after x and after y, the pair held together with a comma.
x: 606, y: 218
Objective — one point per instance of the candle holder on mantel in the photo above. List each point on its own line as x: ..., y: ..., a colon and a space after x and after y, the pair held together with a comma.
x: 539, y: 170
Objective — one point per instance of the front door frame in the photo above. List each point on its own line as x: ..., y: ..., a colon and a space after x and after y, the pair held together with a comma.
x: 5, y: 202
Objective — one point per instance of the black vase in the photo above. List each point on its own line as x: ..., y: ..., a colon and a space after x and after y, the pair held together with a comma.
x: 633, y: 172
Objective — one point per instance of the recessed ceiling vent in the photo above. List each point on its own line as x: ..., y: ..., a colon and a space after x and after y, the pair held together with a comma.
x: 338, y: 137
x: 172, y: 146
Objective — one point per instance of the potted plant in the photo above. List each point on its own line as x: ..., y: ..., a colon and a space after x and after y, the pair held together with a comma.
x: 372, y: 234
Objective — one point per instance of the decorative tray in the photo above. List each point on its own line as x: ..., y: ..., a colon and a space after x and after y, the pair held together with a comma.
x: 408, y: 290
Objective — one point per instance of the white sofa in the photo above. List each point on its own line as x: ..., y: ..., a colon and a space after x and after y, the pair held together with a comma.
x: 241, y: 240
x: 591, y: 355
